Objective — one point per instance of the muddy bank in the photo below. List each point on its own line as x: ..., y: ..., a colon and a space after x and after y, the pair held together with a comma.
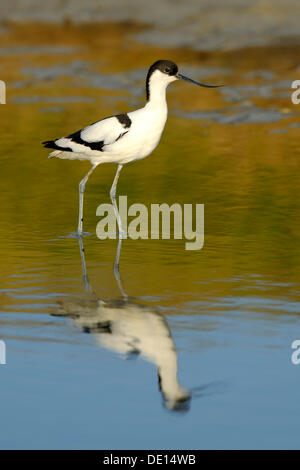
x: 199, y: 24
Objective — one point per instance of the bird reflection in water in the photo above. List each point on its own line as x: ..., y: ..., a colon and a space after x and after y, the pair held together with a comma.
x: 129, y: 328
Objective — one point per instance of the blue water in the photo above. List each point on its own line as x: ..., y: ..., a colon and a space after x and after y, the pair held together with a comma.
x: 188, y: 349
x: 60, y: 390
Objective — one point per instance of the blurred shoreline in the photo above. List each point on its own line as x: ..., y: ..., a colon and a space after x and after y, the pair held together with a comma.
x: 206, y: 25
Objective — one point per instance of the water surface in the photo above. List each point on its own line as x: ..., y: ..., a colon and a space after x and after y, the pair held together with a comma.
x: 85, y: 350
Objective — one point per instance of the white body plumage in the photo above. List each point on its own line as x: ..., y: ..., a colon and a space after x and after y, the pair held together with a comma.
x: 123, y: 138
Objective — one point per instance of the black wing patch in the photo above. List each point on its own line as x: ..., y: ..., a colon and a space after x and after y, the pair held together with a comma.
x: 50, y: 144
x: 76, y: 137
x: 121, y: 135
x: 123, y: 119
x: 100, y: 327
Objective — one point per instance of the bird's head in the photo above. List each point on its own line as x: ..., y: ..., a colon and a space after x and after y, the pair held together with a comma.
x: 165, y: 72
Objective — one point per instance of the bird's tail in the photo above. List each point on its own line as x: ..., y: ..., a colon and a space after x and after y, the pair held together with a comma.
x: 67, y: 154
x: 51, y: 145
x: 54, y: 154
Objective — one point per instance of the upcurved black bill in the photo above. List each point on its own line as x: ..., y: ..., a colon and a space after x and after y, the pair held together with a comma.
x: 182, y: 77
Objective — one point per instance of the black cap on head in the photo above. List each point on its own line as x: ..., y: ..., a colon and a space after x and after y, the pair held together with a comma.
x: 165, y: 66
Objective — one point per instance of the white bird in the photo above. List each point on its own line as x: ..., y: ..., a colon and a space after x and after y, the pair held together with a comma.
x: 122, y: 138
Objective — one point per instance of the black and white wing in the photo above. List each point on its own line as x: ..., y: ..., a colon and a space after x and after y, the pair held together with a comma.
x: 96, y: 137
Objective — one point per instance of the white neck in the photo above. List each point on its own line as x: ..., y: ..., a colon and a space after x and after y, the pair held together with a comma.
x: 158, y: 95
x: 157, y: 87
x: 167, y: 369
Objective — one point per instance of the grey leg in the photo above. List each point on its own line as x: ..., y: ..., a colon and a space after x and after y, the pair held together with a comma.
x: 117, y: 270
x: 113, y: 191
x: 85, y: 278
x: 81, y: 194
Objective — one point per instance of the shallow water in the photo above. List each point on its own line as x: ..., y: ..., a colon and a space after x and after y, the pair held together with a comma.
x: 82, y: 367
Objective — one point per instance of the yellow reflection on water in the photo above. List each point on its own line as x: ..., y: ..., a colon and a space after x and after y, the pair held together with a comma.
x: 246, y: 175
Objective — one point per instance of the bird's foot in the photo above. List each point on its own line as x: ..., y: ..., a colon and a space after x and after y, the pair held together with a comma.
x: 81, y: 234
x: 123, y: 234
